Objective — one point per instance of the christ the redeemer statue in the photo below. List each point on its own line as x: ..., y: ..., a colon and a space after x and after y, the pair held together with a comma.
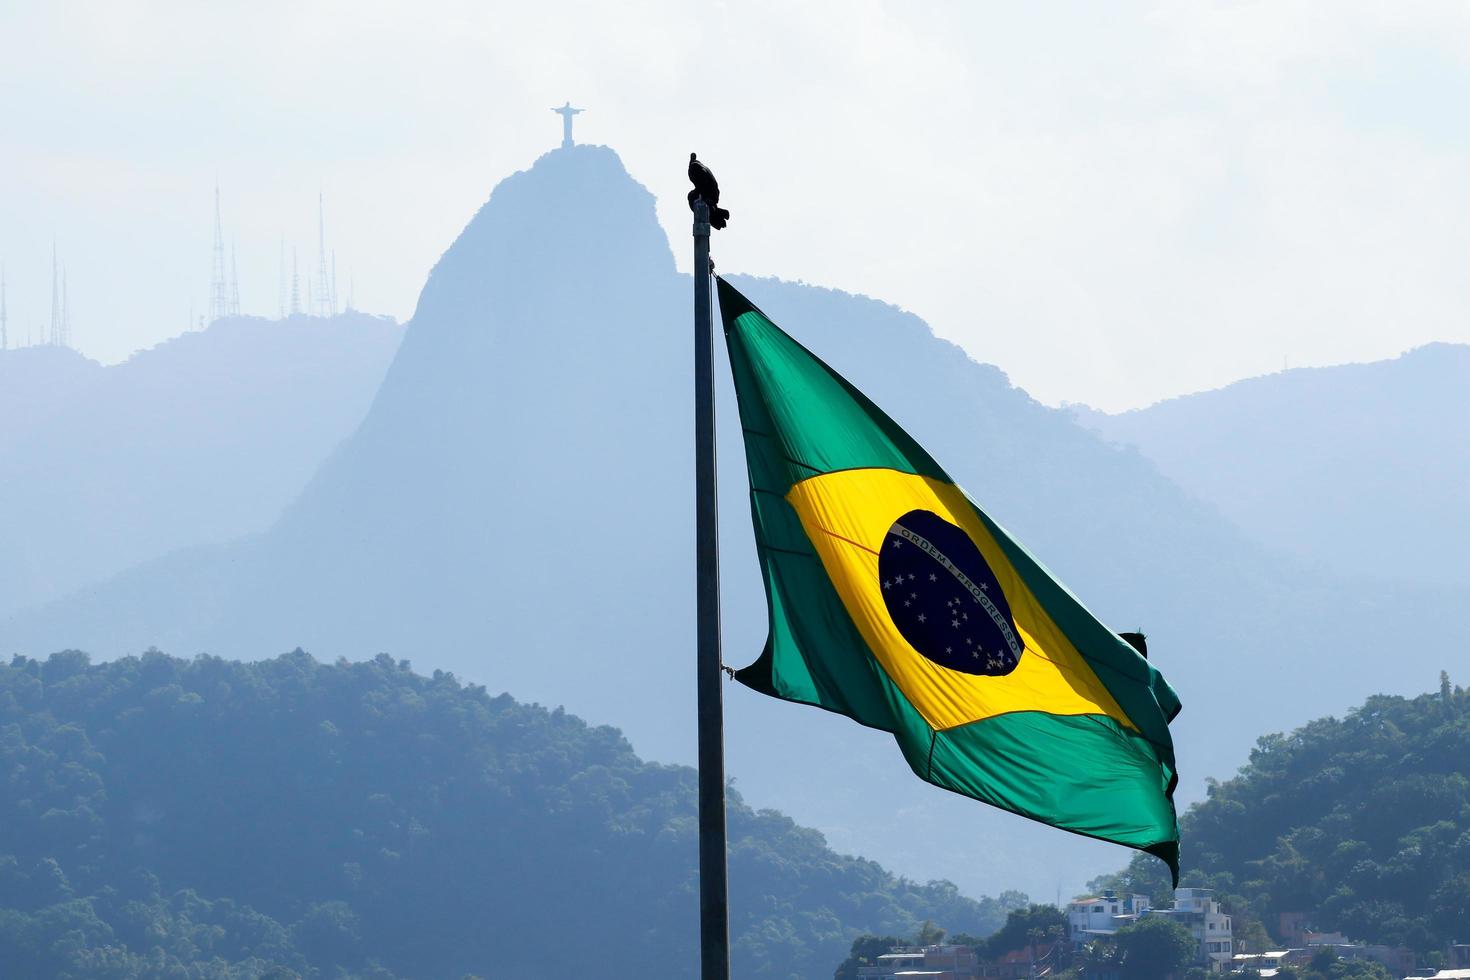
x: 566, y: 112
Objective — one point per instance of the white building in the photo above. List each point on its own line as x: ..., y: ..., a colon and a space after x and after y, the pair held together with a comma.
x: 1194, y: 908
x: 1103, y: 915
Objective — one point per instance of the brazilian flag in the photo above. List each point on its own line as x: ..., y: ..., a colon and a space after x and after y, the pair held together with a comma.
x: 898, y: 602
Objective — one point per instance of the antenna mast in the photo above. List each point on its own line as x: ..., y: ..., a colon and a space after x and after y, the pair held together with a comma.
x: 219, y: 295
x: 65, y: 314
x: 322, y: 300
x: 4, y: 318
x: 295, y: 284
x: 53, y: 336
x: 234, y: 284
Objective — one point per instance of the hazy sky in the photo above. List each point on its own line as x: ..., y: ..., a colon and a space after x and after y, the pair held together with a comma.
x: 1114, y: 202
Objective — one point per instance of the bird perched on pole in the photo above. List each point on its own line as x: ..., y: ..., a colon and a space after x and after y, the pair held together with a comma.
x: 707, y: 188
x: 1137, y: 641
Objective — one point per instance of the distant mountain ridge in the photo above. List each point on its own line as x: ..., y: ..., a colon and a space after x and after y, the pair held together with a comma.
x: 522, y: 484
x: 199, y: 439
x: 35, y: 382
x: 1362, y: 468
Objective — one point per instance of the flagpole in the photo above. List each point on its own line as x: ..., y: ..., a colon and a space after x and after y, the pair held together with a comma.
x: 714, y: 915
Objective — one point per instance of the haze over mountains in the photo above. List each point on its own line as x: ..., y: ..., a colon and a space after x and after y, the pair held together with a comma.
x: 516, y: 506
x: 1364, y: 468
x: 198, y: 440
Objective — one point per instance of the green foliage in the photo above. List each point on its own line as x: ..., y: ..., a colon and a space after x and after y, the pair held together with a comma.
x: 217, y: 820
x: 1035, y: 925
x: 1362, y: 823
x: 1025, y: 925
x: 1153, y: 947
x: 1248, y: 935
x: 929, y: 934
x: 865, y: 951
x: 1331, y: 968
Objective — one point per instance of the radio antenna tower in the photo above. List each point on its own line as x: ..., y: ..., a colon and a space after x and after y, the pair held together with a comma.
x: 65, y: 313
x: 219, y: 294
x: 321, y: 289
x: 234, y: 284
x: 53, y: 336
x: 295, y: 284
x: 4, y: 319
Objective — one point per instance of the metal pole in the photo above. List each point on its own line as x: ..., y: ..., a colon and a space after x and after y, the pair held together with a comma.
x: 714, y: 915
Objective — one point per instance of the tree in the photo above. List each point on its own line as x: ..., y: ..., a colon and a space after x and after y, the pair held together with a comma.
x: 1323, y: 959
x: 1098, y: 955
x: 865, y: 952
x: 1358, y: 970
x: 1250, y: 936
x: 329, y: 933
x: 1449, y: 906
x: 1332, y: 968
x: 929, y: 934
x: 1032, y: 926
x: 1154, y: 947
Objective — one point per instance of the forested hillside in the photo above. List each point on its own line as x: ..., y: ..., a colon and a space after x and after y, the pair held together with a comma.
x: 204, y: 818
x: 1362, y: 823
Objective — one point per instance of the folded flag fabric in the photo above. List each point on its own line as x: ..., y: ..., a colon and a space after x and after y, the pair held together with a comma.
x: 895, y: 600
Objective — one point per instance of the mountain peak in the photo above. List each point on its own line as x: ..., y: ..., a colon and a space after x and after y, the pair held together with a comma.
x: 575, y: 213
